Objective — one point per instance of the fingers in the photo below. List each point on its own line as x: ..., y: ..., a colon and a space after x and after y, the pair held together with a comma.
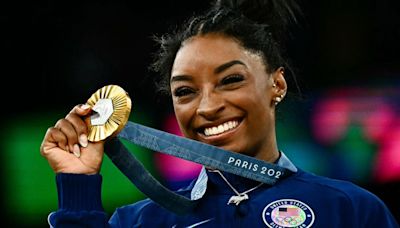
x: 53, y: 138
x: 68, y: 137
x: 75, y: 117
x: 74, y: 129
x: 71, y: 135
x: 60, y: 138
x: 80, y: 128
x: 82, y: 109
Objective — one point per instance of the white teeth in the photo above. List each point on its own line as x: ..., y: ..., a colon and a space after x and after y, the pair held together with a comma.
x: 221, y: 128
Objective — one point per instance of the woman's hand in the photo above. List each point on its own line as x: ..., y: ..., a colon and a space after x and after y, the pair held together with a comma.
x: 66, y: 148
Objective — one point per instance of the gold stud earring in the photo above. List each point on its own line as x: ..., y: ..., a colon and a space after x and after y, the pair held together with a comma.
x: 277, y: 100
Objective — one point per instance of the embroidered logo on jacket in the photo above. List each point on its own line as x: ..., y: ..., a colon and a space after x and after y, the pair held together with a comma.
x: 288, y: 213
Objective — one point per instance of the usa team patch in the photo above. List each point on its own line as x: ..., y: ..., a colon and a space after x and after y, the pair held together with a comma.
x: 288, y: 213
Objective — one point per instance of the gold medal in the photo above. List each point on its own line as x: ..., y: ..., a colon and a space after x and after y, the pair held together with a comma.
x: 111, y: 106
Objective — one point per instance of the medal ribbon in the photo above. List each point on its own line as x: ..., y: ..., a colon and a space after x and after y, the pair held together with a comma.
x: 188, y: 149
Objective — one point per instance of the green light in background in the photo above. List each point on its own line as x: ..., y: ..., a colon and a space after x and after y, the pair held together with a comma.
x: 30, y: 188
x: 358, y: 152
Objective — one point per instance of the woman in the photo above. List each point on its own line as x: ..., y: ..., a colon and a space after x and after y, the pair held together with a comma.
x: 225, y: 71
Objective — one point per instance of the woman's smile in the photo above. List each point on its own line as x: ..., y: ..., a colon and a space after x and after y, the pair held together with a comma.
x: 221, y: 128
x: 220, y: 134
x: 222, y: 96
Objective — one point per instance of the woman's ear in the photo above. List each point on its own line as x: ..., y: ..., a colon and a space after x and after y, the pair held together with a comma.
x: 279, y: 86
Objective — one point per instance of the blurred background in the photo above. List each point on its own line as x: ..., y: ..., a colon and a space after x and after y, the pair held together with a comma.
x: 346, y: 124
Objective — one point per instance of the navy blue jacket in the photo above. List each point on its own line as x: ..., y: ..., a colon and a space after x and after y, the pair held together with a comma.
x: 300, y: 200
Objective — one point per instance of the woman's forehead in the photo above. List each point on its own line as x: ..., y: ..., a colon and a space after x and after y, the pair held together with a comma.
x: 216, y: 42
x: 212, y: 49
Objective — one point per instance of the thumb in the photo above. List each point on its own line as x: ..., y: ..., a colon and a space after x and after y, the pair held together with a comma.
x: 83, y: 109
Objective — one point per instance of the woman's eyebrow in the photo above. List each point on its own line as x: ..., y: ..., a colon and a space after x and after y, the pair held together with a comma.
x: 180, y: 78
x: 225, y: 66
x: 217, y: 70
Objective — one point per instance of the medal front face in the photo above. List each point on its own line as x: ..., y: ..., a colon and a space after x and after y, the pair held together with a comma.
x: 111, y: 106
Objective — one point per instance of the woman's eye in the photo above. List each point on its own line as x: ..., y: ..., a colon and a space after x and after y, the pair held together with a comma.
x: 232, y: 79
x: 183, y: 91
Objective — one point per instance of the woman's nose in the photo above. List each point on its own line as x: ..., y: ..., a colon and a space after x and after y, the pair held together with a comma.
x: 210, y: 105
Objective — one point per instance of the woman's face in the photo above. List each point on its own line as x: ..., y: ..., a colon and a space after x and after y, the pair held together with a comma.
x: 223, y: 95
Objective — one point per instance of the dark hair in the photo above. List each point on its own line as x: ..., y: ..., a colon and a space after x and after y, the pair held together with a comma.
x: 259, y: 26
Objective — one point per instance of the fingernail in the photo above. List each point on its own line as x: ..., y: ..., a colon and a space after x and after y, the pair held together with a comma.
x: 85, y: 106
x: 77, y: 151
x: 83, y: 140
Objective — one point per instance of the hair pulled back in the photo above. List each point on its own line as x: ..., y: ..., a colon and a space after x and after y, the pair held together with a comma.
x: 260, y: 26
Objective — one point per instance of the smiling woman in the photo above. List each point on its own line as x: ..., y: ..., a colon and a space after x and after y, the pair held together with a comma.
x: 226, y: 96
x: 227, y: 73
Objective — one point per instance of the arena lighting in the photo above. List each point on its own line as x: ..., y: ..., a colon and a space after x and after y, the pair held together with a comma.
x: 362, y: 126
